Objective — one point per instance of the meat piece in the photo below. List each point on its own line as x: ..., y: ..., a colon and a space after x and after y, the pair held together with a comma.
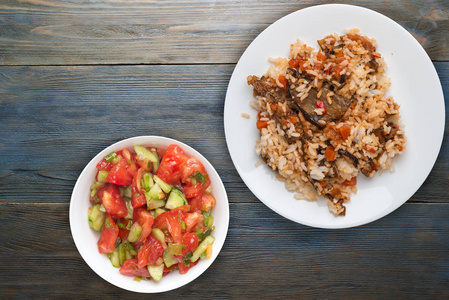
x: 264, y: 87
x: 369, y: 169
x: 333, y: 134
x: 338, y: 208
x: 366, y: 43
x: 379, y: 133
x: 384, y: 137
x: 374, y: 65
x: 289, y: 120
x: 334, y: 109
x: 327, y: 44
x: 393, y: 131
x: 283, y: 114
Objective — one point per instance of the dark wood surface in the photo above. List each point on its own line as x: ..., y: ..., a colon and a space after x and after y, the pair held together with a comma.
x: 77, y: 76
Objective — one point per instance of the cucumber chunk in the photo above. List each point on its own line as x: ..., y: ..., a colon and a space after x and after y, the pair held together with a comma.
x: 96, y: 186
x: 101, y: 177
x: 130, y: 251
x: 130, y: 208
x: 169, y: 259
x: 127, y: 192
x: 158, y: 211
x: 96, y: 217
x: 174, y: 249
x: 147, y: 181
x: 122, y: 253
x: 202, y: 248
x: 154, y: 203
x: 155, y: 192
x: 155, y: 163
x: 144, y: 153
x: 164, y: 186
x: 209, y: 221
x: 115, y: 259
x: 135, y: 232
x: 93, y: 193
x: 156, y: 272
x: 175, y: 199
x: 110, y: 157
x: 159, y: 235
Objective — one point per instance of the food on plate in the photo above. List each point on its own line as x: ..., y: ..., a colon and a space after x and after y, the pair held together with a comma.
x: 153, y: 208
x: 324, y: 117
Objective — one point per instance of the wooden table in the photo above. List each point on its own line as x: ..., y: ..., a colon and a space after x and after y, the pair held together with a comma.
x: 77, y: 76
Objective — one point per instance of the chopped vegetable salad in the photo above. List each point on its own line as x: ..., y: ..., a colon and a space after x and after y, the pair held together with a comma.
x: 153, y: 208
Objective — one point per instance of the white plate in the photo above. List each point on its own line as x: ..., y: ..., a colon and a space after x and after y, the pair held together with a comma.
x: 86, y: 239
x: 414, y: 82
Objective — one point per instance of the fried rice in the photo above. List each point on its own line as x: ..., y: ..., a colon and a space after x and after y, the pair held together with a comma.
x: 324, y: 117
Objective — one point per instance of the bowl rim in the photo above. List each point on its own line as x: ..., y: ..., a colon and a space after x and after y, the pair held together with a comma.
x: 144, y: 286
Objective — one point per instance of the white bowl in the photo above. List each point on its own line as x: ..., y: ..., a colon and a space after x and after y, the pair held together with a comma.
x: 86, y: 238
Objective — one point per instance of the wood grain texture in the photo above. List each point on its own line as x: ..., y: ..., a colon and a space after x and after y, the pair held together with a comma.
x: 53, y: 120
x: 401, y: 256
x: 61, y: 32
x: 77, y: 76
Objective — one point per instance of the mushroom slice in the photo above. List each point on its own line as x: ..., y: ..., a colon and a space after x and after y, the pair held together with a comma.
x: 351, y: 156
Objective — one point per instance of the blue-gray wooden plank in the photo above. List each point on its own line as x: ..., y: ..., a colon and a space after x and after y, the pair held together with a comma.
x: 62, y: 32
x: 54, y: 120
x: 401, y: 256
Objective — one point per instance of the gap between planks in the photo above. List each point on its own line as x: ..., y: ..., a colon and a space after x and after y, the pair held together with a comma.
x: 146, y: 64
x: 121, y: 64
x: 230, y: 203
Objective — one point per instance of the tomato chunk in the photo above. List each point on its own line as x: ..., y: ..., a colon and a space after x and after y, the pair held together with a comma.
x: 189, y: 169
x: 352, y: 181
x: 108, y: 237
x: 183, y: 269
x: 152, y: 249
x: 203, y: 202
x: 132, y: 169
x: 130, y: 268
x: 261, y: 124
x: 171, y: 221
x: 184, y: 208
x: 320, y: 104
x: 190, y: 240
x: 191, y: 191
x: 138, y: 200
x: 283, y: 81
x: 321, y: 56
x: 112, y: 200
x: 192, y: 219
x: 123, y: 233
x: 345, y: 131
x: 195, y: 204
x: 195, y: 177
x: 171, y: 163
x: 294, y: 62
x: 329, y: 154
x: 104, y: 165
x: 208, y: 201
x: 145, y: 219
x: 119, y: 173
